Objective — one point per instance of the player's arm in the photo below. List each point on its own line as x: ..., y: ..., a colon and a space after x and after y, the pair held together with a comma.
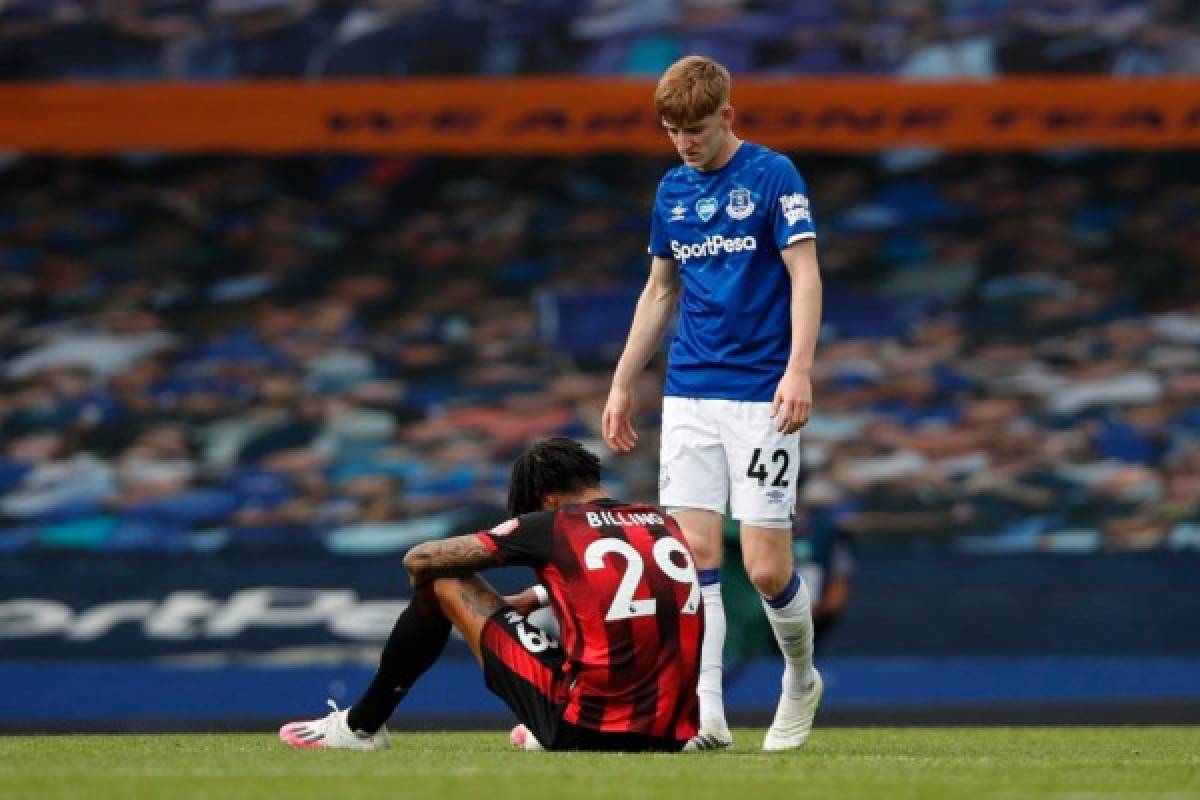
x: 521, y: 541
x: 793, y: 399
x: 654, y: 311
x: 453, y: 557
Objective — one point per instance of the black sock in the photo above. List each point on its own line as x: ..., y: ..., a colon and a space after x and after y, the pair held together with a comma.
x: 416, y: 641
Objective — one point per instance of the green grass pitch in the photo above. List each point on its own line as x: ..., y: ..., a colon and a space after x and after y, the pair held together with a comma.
x: 891, y: 763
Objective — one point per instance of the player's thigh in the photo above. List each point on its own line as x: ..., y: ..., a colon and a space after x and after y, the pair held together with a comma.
x: 468, y: 603
x: 692, y: 462
x: 763, y: 464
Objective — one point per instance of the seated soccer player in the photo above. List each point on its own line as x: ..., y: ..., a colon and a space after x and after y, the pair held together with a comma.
x: 622, y: 584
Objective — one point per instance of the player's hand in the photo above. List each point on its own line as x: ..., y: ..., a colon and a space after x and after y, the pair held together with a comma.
x: 793, y: 402
x: 616, y: 424
x: 524, y: 603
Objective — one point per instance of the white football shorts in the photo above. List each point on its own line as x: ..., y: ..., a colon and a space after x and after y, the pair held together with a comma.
x: 727, y: 452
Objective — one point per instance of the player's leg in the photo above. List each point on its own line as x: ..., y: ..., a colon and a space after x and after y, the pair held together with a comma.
x: 522, y: 664
x: 416, y: 641
x: 764, y: 467
x: 694, y: 488
x: 492, y: 631
x: 767, y: 553
x: 768, y: 557
x: 703, y: 530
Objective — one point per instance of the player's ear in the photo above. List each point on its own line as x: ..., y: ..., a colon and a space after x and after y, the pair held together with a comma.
x: 726, y: 113
x: 552, y: 502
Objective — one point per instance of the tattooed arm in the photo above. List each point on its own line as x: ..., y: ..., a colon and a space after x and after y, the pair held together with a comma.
x: 453, y: 557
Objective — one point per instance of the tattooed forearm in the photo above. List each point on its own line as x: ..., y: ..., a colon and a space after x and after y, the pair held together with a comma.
x: 459, y: 555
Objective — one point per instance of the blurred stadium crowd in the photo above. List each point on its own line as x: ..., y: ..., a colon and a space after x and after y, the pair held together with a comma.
x: 217, y: 353
x: 219, y: 39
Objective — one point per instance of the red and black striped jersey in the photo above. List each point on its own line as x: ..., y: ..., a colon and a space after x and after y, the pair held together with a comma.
x: 623, y: 585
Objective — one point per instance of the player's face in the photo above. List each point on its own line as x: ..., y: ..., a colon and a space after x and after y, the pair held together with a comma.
x: 701, y: 143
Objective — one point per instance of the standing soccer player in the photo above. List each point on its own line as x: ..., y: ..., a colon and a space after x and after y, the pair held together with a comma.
x: 622, y: 584
x: 733, y: 247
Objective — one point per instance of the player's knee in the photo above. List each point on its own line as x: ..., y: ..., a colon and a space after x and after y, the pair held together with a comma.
x: 768, y: 579
x: 707, y: 555
x: 444, y: 589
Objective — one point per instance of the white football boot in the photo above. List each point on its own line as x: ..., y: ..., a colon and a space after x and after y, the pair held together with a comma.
x: 331, y: 732
x: 523, y: 739
x: 794, y: 716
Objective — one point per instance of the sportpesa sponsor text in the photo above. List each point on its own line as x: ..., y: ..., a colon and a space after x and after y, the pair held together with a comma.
x: 189, y: 615
x: 714, y: 245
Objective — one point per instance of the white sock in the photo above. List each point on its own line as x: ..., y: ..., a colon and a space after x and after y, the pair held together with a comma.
x: 793, y: 627
x: 712, y: 703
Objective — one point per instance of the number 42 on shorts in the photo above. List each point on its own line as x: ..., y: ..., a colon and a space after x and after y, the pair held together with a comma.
x: 758, y: 470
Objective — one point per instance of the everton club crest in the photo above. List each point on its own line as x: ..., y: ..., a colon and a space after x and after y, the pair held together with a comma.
x: 741, y: 204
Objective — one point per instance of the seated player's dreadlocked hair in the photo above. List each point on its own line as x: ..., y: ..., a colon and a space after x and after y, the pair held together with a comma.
x: 557, y: 465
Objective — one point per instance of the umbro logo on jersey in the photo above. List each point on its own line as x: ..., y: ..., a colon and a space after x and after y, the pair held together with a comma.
x: 678, y: 212
x: 741, y: 204
x: 706, y: 207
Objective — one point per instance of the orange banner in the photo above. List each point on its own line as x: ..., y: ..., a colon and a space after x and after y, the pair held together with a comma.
x: 565, y: 116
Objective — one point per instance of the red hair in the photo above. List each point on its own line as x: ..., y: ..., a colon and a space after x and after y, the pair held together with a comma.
x: 691, y: 89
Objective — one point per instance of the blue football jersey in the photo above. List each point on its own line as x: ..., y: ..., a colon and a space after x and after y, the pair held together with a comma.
x: 725, y: 229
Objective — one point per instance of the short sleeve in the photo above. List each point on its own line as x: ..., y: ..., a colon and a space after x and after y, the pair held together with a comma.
x: 660, y: 241
x: 791, y: 216
x: 527, y: 540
